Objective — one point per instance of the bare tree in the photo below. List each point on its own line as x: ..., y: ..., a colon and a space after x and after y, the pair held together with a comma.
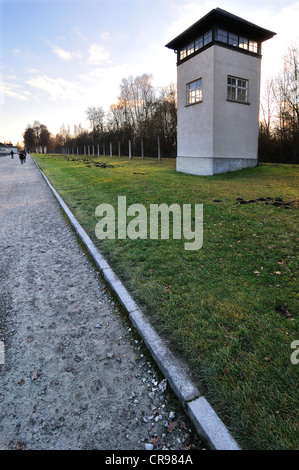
x: 64, y: 133
x: 96, y: 118
x: 286, y: 91
x: 279, y: 125
x: 268, y: 108
x: 136, y: 101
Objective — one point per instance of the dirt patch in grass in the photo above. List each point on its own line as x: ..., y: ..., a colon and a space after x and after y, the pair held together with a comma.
x: 276, y: 202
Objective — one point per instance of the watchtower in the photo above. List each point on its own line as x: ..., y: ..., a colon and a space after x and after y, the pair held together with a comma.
x: 218, y: 86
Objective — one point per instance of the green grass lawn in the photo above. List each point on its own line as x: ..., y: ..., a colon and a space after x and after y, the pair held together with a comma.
x: 230, y: 309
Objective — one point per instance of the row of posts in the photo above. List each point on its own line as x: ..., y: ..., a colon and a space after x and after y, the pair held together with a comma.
x: 88, y: 149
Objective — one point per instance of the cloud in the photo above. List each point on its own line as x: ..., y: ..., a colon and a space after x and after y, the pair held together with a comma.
x: 102, y: 83
x: 98, y: 55
x: 66, y: 55
x: 106, y: 75
x: 13, y: 90
x: 57, y: 88
x: 62, y: 54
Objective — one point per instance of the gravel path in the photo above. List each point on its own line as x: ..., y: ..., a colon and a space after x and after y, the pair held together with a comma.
x: 76, y: 375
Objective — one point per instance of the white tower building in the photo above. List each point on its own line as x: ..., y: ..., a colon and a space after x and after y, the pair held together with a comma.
x: 218, y: 86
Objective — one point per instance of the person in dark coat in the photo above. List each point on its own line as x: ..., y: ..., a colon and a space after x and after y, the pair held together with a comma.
x: 22, y: 157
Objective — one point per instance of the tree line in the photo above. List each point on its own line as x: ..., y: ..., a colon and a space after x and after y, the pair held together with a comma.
x: 279, y: 121
x: 141, y: 115
x: 144, y: 114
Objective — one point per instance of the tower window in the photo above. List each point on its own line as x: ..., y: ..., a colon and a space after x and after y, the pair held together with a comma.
x: 222, y: 35
x: 243, y: 43
x: 208, y: 37
x: 237, y: 89
x: 190, y: 48
x: 198, y: 43
x: 194, y: 92
x: 233, y: 39
x: 253, y: 46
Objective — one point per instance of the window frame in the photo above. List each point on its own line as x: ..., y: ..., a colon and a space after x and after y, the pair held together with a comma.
x: 208, y: 37
x: 222, y: 35
x: 253, y: 46
x: 199, y: 43
x: 233, y: 39
x: 238, y: 90
x: 244, y: 43
x: 225, y: 36
x: 194, y: 90
x: 219, y: 35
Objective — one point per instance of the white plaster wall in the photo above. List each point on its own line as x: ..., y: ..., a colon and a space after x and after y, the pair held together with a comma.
x: 195, y: 165
x: 195, y: 122
x: 235, y: 124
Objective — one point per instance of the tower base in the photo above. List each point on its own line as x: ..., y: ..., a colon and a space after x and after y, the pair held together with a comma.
x: 208, y: 166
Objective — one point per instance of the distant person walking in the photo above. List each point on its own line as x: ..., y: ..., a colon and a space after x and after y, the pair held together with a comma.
x: 22, y: 156
x: 11, y: 153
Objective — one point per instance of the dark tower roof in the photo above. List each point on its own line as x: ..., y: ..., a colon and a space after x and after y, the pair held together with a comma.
x: 224, y: 20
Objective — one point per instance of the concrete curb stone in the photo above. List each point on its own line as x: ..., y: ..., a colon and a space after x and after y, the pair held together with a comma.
x: 207, y: 423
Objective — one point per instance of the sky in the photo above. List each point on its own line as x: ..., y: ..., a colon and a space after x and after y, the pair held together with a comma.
x: 59, y: 57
